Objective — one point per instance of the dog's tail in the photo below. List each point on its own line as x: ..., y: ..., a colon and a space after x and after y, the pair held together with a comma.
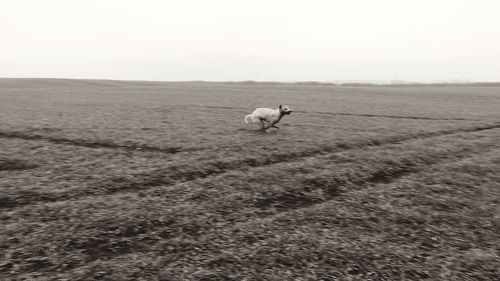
x: 246, y: 118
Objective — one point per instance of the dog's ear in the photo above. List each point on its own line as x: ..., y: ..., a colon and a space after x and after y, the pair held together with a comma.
x: 280, y: 106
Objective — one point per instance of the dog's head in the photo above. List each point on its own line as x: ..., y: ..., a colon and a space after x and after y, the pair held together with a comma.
x: 285, y: 109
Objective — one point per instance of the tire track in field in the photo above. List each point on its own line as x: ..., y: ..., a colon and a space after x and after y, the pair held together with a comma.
x: 353, y: 114
x: 91, y: 143
x: 386, y: 116
x: 179, y: 174
x: 379, y: 176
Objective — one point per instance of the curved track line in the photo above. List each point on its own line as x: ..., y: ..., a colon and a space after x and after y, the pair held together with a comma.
x: 91, y: 143
x: 387, y: 116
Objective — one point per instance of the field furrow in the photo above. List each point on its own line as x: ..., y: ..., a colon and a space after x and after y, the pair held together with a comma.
x: 90, y: 143
x: 386, y: 116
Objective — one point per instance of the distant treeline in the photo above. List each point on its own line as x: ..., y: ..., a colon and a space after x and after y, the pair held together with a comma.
x: 354, y: 84
x: 476, y: 84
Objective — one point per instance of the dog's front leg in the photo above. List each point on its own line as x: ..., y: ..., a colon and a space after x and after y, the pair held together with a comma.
x: 273, y: 125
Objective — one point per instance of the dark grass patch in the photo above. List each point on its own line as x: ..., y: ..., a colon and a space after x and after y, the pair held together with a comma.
x: 6, y: 202
x: 288, y: 200
x: 387, y: 176
x: 38, y: 264
x: 330, y: 188
x: 23, y: 198
x: 116, y: 239
x: 15, y: 164
x: 6, y: 266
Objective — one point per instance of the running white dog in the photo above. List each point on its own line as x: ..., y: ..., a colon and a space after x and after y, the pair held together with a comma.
x: 271, y: 116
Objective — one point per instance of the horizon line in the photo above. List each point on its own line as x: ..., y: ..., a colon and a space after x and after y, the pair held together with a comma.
x: 311, y: 82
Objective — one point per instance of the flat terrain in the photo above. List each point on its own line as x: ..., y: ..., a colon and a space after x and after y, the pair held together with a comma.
x: 120, y: 180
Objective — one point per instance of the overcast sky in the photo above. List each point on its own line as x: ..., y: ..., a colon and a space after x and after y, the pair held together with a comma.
x: 251, y: 40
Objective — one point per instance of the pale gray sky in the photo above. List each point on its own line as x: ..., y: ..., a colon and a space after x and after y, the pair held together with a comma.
x: 251, y: 40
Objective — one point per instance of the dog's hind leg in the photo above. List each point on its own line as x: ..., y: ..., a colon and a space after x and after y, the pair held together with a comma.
x: 262, y: 125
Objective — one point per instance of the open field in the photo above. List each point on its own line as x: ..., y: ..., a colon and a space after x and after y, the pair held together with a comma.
x: 121, y: 180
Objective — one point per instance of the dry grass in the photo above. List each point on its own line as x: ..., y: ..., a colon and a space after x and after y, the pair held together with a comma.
x: 119, y: 180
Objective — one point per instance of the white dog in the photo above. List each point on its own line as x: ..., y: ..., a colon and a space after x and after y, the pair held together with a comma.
x: 271, y: 116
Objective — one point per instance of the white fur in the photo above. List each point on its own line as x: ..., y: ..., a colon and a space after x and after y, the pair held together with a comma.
x: 271, y: 116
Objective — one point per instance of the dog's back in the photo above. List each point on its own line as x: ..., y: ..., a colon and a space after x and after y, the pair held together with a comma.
x: 265, y: 113
x: 261, y: 114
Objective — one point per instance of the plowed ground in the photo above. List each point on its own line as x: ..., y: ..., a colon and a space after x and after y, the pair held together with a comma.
x: 118, y: 180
